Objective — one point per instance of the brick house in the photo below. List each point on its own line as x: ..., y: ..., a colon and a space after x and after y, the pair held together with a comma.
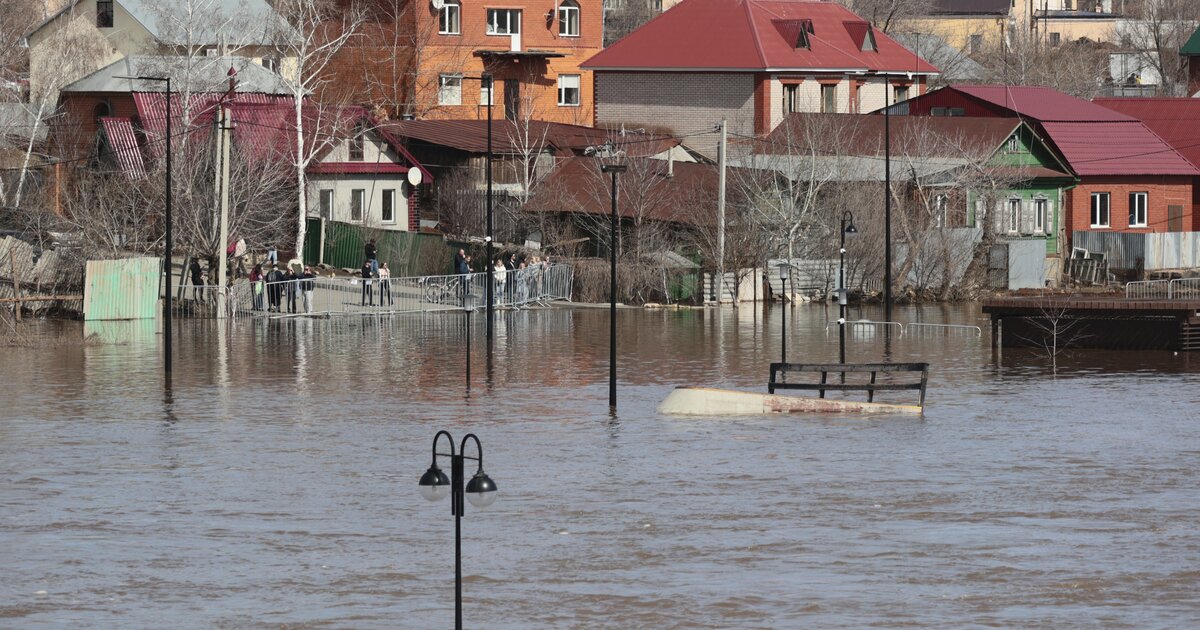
x: 424, y: 60
x: 1129, y: 179
x: 774, y: 57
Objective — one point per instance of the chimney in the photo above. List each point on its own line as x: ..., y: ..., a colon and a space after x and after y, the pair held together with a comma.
x: 671, y: 162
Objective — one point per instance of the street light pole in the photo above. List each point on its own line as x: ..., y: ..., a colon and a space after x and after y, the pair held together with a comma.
x: 887, y: 203
x: 785, y: 273
x: 491, y: 298
x: 842, y: 293
x: 614, y: 170
x: 167, y: 254
x: 480, y: 491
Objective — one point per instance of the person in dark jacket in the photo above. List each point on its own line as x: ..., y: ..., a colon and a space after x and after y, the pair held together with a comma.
x: 510, y: 277
x: 306, y: 287
x: 372, y: 255
x: 275, y: 281
x: 367, y: 273
x: 197, y: 280
x: 290, y: 288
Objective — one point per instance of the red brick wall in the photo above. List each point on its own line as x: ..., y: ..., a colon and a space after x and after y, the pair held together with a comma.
x: 73, y: 134
x: 1162, y: 192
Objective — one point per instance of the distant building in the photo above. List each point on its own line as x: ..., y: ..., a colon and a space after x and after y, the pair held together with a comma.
x: 750, y: 62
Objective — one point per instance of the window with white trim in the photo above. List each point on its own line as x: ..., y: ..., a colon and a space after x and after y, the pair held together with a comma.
x: 791, y: 101
x: 899, y: 93
x: 503, y: 21
x: 1013, y: 145
x: 1014, y: 216
x: 568, y: 19
x: 568, y: 90
x: 387, y: 206
x: 450, y: 18
x: 1100, y: 210
x: 357, y: 148
x: 1137, y: 209
x: 1040, y: 206
x: 487, y: 93
x: 450, y: 89
x: 326, y: 204
x: 358, y: 198
x: 829, y: 99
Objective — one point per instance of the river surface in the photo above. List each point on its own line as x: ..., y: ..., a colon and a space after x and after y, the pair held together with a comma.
x: 276, y: 486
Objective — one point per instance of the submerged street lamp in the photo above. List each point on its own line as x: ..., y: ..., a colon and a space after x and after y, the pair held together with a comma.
x: 847, y: 228
x: 614, y: 169
x: 785, y: 274
x: 480, y: 491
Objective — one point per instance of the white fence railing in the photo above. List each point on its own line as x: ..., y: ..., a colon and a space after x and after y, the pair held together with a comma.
x: 1177, y: 289
x: 870, y: 329
x: 537, y: 285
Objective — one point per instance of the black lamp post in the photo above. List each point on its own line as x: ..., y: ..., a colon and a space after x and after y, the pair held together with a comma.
x: 785, y: 274
x: 485, y: 79
x: 614, y: 170
x: 480, y: 491
x: 467, y: 308
x: 167, y: 246
x: 847, y: 228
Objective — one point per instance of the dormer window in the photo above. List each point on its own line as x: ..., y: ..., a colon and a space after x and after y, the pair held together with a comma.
x: 869, y: 44
x: 796, y: 32
x: 104, y: 13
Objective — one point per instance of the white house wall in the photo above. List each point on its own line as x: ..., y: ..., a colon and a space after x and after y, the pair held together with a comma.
x: 375, y: 151
x: 373, y: 186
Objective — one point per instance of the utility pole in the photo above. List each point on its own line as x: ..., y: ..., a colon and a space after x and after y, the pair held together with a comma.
x: 722, y: 160
x: 887, y: 202
x: 224, y: 139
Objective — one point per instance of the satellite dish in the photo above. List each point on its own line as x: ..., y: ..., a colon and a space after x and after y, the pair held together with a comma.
x: 414, y: 176
x: 438, y: 4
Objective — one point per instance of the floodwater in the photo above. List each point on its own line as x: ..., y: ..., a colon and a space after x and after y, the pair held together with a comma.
x: 277, y: 484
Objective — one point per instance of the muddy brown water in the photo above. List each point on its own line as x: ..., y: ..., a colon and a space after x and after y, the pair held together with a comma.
x: 277, y: 484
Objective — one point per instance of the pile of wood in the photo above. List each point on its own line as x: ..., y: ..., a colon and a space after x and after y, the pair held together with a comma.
x: 37, y: 282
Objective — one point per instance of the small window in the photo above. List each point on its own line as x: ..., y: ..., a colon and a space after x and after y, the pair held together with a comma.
x: 101, y: 110
x: 829, y: 99
x: 387, y: 206
x: 357, y: 197
x: 976, y: 43
x: 938, y: 111
x: 356, y: 144
x: 900, y: 93
x: 503, y: 22
x: 1014, y: 216
x: 568, y: 90
x: 326, y: 204
x: 487, y: 94
x: 956, y: 111
x: 568, y: 19
x: 1137, y: 209
x: 104, y: 13
x: 1055, y: 39
x: 1100, y: 210
x: 1039, y: 215
x: 210, y: 52
x: 450, y: 89
x: 869, y: 44
x: 791, y: 98
x: 450, y: 18
x: 271, y: 63
x: 1013, y: 145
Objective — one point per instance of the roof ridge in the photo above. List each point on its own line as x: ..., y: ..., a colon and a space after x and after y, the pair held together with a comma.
x: 749, y: 15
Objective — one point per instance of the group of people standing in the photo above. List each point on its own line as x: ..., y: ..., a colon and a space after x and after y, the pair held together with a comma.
x: 372, y: 271
x: 517, y: 278
x: 279, y: 285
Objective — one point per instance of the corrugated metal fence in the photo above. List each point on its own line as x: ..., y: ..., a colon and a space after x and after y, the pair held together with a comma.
x: 1159, y: 250
x: 122, y: 289
x: 406, y: 253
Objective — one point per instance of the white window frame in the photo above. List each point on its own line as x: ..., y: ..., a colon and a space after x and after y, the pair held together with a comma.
x: 1041, y: 212
x: 562, y: 90
x: 1098, y: 213
x: 387, y: 203
x: 899, y: 93
x: 450, y: 89
x: 791, y: 98
x: 941, y: 204
x: 1013, y: 144
x: 829, y: 105
x: 1144, y: 198
x: 450, y: 18
x: 325, y: 203
x: 497, y: 27
x: 358, y: 205
x: 1013, y: 214
x: 568, y: 19
x: 487, y: 92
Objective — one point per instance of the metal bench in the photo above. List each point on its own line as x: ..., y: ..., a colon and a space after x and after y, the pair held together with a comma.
x: 825, y: 369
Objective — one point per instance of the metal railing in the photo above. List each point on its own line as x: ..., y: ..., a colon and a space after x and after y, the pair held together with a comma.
x: 519, y: 288
x: 1177, y: 289
x: 869, y: 329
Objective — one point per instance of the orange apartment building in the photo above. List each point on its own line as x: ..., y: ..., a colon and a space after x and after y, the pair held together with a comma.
x: 424, y: 61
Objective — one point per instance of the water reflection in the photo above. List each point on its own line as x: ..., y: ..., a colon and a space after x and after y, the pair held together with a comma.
x: 277, y: 485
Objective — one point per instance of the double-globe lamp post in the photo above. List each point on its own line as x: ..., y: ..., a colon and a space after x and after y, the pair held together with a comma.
x: 480, y: 491
x: 847, y: 228
x: 614, y: 170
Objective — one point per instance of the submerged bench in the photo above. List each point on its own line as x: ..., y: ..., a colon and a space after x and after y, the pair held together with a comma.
x: 825, y: 369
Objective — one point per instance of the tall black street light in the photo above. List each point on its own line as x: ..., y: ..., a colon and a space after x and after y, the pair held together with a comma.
x: 785, y: 274
x: 614, y: 170
x: 480, y: 491
x: 485, y: 80
x: 847, y: 228
x: 167, y: 246
x: 887, y: 203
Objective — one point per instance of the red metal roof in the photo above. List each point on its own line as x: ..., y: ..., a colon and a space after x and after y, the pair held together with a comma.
x: 123, y: 143
x: 1175, y: 120
x: 757, y: 35
x: 1116, y: 148
x: 510, y: 138
x: 1040, y: 103
x: 921, y: 136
